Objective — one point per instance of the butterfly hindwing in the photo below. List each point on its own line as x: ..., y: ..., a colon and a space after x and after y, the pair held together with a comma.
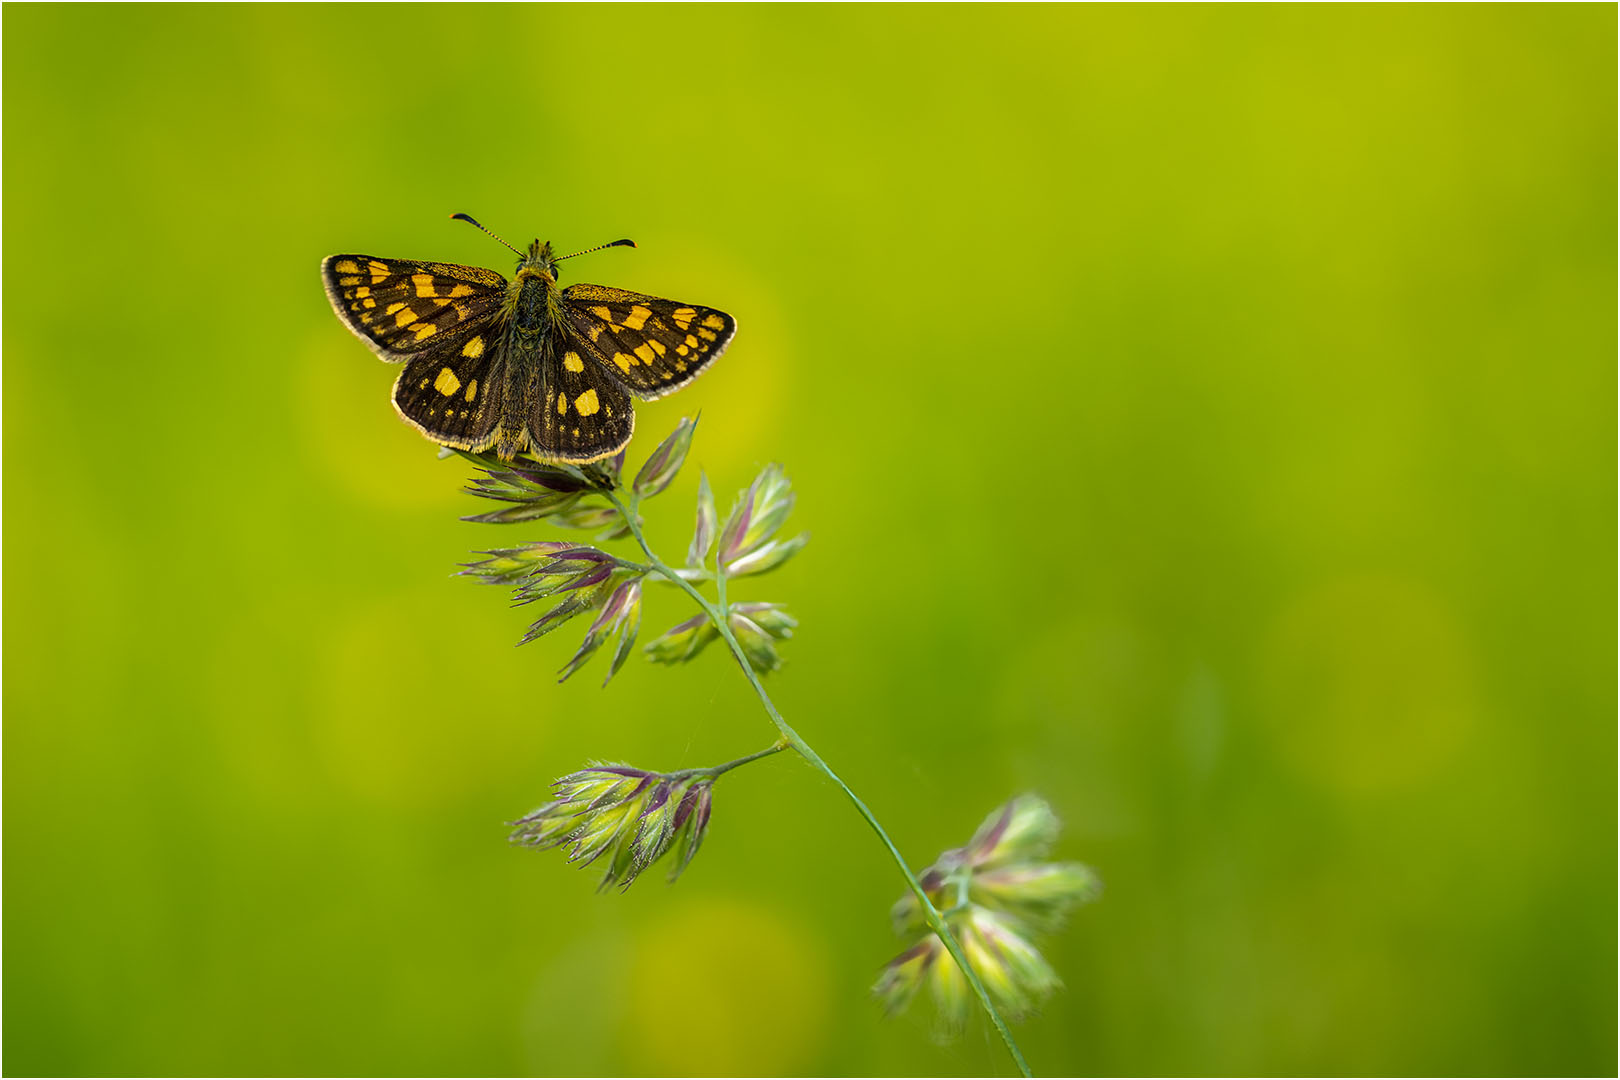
x: 453, y: 395
x: 580, y: 412
x: 402, y: 307
x: 653, y: 346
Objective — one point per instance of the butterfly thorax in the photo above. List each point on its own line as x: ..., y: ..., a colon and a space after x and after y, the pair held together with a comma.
x: 532, y: 300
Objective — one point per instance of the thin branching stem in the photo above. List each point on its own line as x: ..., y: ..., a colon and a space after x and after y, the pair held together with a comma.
x: 720, y: 770
x: 931, y: 915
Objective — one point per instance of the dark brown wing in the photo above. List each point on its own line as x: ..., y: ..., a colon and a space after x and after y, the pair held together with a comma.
x: 653, y: 346
x: 581, y: 413
x: 401, y: 307
x: 452, y: 393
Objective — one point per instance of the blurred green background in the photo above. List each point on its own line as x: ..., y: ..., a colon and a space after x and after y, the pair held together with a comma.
x: 1205, y: 418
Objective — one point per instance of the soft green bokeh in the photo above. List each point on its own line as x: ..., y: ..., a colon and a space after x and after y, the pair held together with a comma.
x: 1205, y: 417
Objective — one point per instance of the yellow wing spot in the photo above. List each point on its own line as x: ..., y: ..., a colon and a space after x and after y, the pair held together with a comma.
x: 472, y: 391
x: 368, y: 302
x: 350, y: 280
x: 576, y: 433
x: 683, y: 316
x: 425, y: 331
x: 602, y: 313
x: 404, y: 317
x: 623, y: 360
x: 645, y: 351
x: 423, y: 386
x: 562, y: 404
x: 462, y: 290
x: 379, y: 271
x: 365, y: 318
x: 362, y: 292
x: 680, y: 365
x: 391, y: 308
x: 637, y: 318
x: 572, y: 362
x: 596, y: 332
x: 706, y: 335
x: 714, y: 322
x: 658, y: 346
x: 681, y: 350
x: 424, y: 285
x: 446, y: 383
x: 464, y: 414
x: 608, y: 409
x: 473, y: 349
x: 346, y: 266
x: 587, y: 404
x: 691, y: 342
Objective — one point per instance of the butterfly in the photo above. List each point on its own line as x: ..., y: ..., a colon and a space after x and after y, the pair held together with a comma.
x: 521, y: 365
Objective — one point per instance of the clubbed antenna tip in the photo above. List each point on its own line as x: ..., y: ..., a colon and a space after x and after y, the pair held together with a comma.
x: 469, y: 219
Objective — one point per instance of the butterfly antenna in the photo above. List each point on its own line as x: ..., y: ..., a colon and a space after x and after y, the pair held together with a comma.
x: 469, y: 219
x: 599, y: 247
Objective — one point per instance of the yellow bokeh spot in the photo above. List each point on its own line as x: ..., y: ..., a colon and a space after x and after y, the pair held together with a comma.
x: 726, y: 988
x: 446, y: 383
x: 587, y: 404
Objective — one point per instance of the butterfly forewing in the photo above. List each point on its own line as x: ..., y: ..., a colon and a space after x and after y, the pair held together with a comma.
x: 652, y: 345
x: 401, y: 307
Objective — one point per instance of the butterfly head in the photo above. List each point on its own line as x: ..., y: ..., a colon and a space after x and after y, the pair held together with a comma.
x: 539, y: 262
